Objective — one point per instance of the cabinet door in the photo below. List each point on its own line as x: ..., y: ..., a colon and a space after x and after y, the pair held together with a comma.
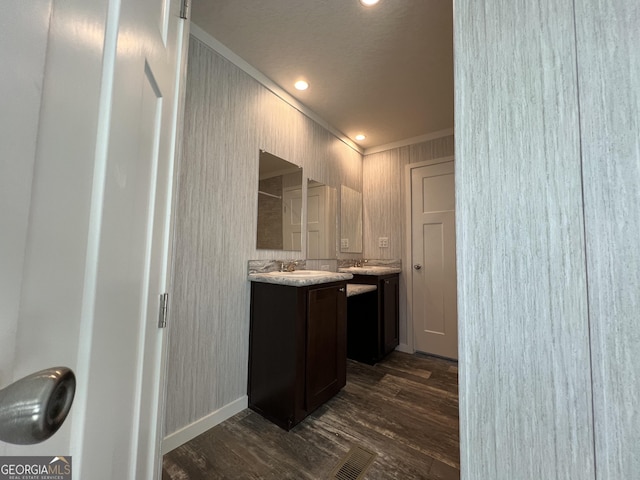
x: 326, y: 371
x: 390, y: 321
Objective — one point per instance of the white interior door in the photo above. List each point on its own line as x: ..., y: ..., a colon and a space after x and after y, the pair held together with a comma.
x: 292, y: 219
x: 317, y: 224
x: 434, y: 308
x: 132, y: 261
x: 97, y: 243
x: 23, y: 46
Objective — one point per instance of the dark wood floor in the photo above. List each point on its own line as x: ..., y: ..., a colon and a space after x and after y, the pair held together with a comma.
x: 405, y: 409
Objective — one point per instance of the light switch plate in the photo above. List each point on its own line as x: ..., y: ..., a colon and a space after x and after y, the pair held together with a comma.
x: 383, y: 242
x: 344, y: 243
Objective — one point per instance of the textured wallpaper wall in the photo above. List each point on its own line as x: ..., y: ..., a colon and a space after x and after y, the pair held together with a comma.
x: 229, y: 117
x: 384, y: 193
x: 525, y: 367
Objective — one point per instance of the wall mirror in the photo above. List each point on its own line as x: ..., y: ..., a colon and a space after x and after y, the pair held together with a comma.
x: 350, y: 220
x: 279, y: 204
x: 321, y: 221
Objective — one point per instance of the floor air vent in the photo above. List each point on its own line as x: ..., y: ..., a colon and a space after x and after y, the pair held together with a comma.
x: 353, y: 465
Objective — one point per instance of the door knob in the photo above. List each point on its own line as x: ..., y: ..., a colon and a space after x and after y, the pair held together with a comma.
x: 417, y: 266
x: 34, y: 407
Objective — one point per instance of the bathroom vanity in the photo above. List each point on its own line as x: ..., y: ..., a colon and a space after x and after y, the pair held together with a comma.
x: 373, y: 317
x: 297, y: 343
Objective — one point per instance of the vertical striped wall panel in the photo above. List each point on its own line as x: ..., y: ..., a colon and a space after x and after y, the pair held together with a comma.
x: 383, y: 202
x: 384, y: 193
x: 525, y: 379
x: 608, y: 35
x: 228, y: 117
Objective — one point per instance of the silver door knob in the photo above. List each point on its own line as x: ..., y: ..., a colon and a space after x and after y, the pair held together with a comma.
x: 33, y: 408
x: 417, y: 266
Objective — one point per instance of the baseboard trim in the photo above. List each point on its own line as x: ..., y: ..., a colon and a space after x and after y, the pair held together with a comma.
x: 198, y: 427
x: 404, y: 348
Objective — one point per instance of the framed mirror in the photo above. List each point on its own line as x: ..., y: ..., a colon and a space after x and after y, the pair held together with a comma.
x: 279, y: 204
x: 321, y: 221
x: 350, y: 220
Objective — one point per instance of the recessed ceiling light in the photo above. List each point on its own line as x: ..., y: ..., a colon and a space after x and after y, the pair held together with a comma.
x: 360, y: 137
x: 368, y: 3
x: 301, y: 85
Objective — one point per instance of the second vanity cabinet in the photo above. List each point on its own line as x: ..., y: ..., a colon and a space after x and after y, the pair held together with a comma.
x: 297, y: 349
x: 374, y: 322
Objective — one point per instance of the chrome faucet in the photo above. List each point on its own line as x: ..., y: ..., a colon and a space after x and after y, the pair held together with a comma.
x: 288, y: 266
x: 291, y: 266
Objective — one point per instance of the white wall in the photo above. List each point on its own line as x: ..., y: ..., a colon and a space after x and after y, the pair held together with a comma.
x: 229, y: 116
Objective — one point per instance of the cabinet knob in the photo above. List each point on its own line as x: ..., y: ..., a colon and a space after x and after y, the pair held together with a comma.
x: 341, y: 289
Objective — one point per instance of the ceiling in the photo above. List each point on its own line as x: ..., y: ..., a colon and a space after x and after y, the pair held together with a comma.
x: 385, y: 71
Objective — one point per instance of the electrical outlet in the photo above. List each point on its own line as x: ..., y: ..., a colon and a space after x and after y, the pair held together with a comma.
x: 383, y: 242
x: 344, y: 243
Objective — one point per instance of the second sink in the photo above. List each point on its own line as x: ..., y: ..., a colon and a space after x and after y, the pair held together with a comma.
x: 302, y: 273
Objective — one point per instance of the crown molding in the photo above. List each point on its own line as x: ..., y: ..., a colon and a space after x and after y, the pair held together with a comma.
x: 409, y: 141
x: 269, y: 84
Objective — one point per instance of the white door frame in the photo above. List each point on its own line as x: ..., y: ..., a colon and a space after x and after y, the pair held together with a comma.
x: 170, y: 254
x: 408, y: 251
x: 178, y: 140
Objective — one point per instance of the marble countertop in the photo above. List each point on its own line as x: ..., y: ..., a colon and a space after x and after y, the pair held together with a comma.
x: 358, y: 288
x: 300, y: 278
x: 371, y: 270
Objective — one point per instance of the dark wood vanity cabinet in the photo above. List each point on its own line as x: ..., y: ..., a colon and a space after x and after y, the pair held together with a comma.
x: 373, y: 318
x: 297, y: 349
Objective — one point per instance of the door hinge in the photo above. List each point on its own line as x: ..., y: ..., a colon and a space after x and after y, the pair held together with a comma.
x: 162, y: 316
x: 184, y: 9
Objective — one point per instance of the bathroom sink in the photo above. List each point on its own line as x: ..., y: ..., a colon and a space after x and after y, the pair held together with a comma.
x: 299, y: 278
x: 369, y: 267
x: 371, y: 270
